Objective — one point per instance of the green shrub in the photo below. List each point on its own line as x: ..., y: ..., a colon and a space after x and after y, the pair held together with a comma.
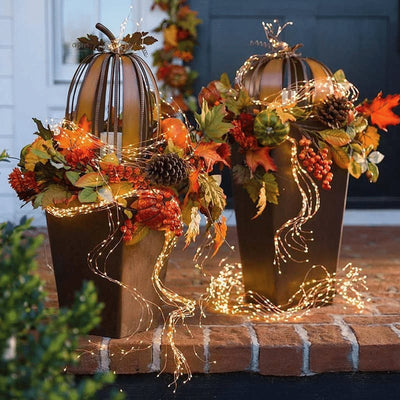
x: 37, y: 343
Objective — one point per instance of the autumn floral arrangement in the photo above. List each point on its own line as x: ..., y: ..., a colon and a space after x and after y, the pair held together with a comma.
x: 332, y: 131
x: 179, y: 31
x: 67, y: 169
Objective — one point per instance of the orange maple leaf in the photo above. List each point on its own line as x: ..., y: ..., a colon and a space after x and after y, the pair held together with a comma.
x: 380, y: 110
x: 220, y: 230
x: 84, y: 123
x: 212, y: 153
x: 194, y: 185
x: 74, y: 139
x: 260, y: 156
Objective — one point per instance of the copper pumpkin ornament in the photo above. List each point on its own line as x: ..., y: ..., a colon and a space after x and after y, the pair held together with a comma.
x: 274, y: 80
x: 281, y: 75
x: 115, y: 89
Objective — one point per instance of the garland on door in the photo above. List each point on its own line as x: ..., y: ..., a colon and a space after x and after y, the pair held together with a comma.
x: 179, y: 31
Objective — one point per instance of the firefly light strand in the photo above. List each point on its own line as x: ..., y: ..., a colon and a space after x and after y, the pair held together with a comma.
x: 226, y: 294
x: 290, y: 235
x: 184, y: 308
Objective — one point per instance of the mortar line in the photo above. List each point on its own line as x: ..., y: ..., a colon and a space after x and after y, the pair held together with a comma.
x: 348, y: 334
x: 104, y: 359
x: 305, y: 369
x: 206, y: 345
x: 255, y: 348
x: 395, y: 329
x: 155, y: 365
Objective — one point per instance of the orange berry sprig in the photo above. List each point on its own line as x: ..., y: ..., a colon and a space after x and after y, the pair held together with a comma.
x: 316, y: 163
x: 156, y: 210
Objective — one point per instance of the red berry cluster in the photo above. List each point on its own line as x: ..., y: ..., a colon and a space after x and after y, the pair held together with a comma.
x: 316, y: 163
x: 157, y: 210
x: 128, y: 230
x: 118, y: 173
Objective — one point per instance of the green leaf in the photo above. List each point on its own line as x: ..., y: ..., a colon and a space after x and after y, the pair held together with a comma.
x: 224, y: 79
x: 211, y: 122
x: 72, y: 176
x: 38, y: 200
x: 4, y: 156
x: 355, y: 169
x: 253, y: 187
x: 335, y: 137
x: 91, y: 179
x: 87, y: 195
x: 339, y: 76
x: 55, y: 194
x: 374, y: 171
x: 213, y: 195
x: 44, y: 133
x: 271, y: 187
x: 357, y: 148
x: 238, y: 103
x: 190, y: 23
x: 171, y: 148
x: 350, y: 130
x: 41, y: 154
x: 340, y: 156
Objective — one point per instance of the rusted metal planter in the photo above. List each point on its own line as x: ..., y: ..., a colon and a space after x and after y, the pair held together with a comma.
x: 72, y: 239
x: 256, y: 236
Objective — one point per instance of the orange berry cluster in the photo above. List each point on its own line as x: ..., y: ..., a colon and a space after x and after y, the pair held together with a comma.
x: 128, y: 230
x: 156, y: 210
x: 316, y: 163
x: 118, y: 173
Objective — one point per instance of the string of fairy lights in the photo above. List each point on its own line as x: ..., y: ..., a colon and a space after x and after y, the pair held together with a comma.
x: 226, y: 293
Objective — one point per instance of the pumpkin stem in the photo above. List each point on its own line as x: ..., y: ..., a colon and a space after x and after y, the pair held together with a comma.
x: 106, y: 31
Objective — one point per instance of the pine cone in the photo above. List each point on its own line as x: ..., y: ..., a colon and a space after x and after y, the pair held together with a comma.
x: 334, y: 111
x: 166, y: 169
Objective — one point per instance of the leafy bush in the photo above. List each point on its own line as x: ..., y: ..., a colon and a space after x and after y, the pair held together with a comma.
x: 37, y: 343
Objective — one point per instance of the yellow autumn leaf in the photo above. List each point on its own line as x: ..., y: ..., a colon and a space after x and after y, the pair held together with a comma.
x: 194, y: 226
x: 370, y: 137
x: 171, y: 36
x: 284, y: 115
x: 262, y: 201
x: 32, y: 156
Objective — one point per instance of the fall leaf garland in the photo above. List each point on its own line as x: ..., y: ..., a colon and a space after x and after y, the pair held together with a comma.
x: 179, y: 31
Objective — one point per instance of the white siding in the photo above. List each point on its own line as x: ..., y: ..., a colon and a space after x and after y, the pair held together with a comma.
x: 28, y: 87
x: 8, y: 200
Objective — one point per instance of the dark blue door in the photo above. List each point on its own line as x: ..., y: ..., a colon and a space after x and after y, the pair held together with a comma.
x: 359, y: 36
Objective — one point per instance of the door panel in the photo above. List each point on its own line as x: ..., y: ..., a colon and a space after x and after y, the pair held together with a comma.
x: 359, y: 36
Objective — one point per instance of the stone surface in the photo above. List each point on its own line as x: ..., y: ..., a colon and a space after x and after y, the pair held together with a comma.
x: 88, y: 353
x: 329, y: 351
x: 379, y: 348
x: 131, y: 355
x: 275, y: 348
x: 281, y: 350
x: 229, y: 349
x: 190, y: 341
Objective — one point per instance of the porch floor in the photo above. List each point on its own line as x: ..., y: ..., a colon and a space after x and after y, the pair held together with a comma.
x: 331, y: 339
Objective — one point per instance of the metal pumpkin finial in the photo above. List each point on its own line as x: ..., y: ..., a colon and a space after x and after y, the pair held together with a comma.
x: 116, y: 90
x: 280, y: 75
